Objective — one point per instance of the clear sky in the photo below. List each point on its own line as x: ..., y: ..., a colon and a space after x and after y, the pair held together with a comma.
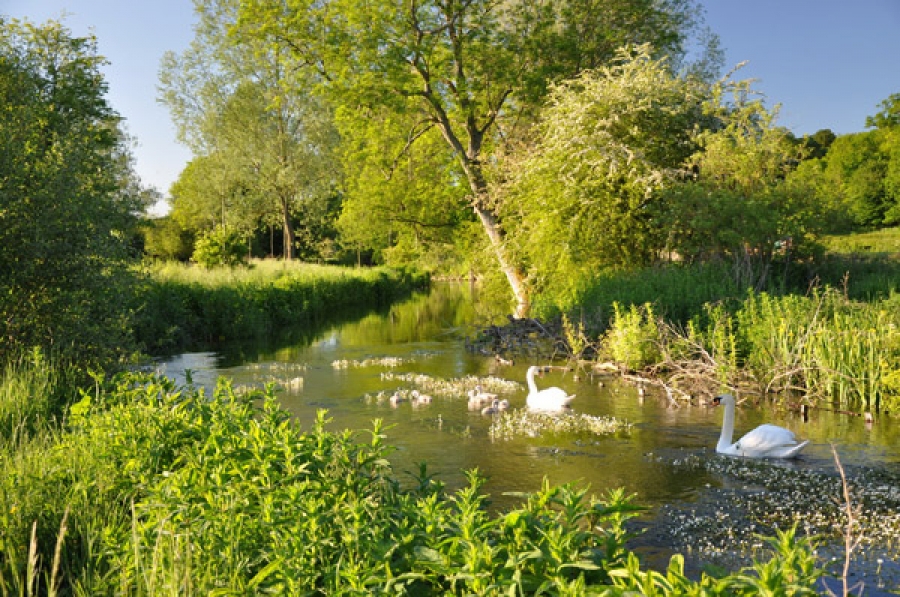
x: 829, y: 63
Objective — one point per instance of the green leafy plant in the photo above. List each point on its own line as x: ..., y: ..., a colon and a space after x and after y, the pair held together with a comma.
x: 633, y: 337
x: 220, y: 246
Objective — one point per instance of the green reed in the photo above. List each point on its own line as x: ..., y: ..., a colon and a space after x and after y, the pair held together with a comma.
x: 185, y: 306
x: 834, y: 349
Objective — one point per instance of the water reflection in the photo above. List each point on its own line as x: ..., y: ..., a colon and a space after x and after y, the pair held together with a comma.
x: 426, y: 334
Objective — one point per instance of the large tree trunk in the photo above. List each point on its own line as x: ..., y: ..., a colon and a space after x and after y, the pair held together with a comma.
x: 514, y: 275
x: 491, y: 224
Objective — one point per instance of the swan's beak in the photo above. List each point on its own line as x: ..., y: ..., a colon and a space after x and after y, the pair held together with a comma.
x: 717, y: 400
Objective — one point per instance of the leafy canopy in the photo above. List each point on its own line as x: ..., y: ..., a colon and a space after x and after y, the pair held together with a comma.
x: 68, y: 201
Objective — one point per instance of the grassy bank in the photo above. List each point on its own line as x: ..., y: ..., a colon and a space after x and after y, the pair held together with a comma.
x: 148, y: 489
x: 826, y: 332
x: 184, y: 306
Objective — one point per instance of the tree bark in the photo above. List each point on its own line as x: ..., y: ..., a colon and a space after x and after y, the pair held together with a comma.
x: 491, y: 224
x: 514, y: 275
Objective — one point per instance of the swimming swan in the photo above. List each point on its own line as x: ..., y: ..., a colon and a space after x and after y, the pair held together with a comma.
x: 766, y: 441
x: 548, y: 399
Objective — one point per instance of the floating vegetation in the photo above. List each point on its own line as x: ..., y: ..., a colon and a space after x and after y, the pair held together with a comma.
x: 375, y: 362
x: 380, y: 361
x: 524, y: 422
x: 760, y: 496
x: 454, y: 388
x: 294, y: 384
x: 282, y: 367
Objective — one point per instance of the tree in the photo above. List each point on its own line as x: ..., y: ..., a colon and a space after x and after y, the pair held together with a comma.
x: 165, y: 238
x: 584, y: 195
x: 475, y: 70
x: 856, y: 166
x: 743, y: 203
x: 404, y: 203
x: 817, y: 144
x: 889, y: 116
x: 252, y: 121
x: 68, y: 200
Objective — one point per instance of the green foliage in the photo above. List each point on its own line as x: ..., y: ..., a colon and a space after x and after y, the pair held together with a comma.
x: 405, y: 205
x: 152, y: 489
x: 165, y: 238
x: 469, y: 76
x: 221, y: 246
x: 835, y: 349
x: 633, y: 337
x: 885, y: 241
x: 184, y: 306
x: 582, y: 196
x: 741, y: 204
x: 28, y: 400
x: 856, y: 165
x: 677, y: 291
x: 889, y: 116
x: 264, y: 143
x: 66, y: 210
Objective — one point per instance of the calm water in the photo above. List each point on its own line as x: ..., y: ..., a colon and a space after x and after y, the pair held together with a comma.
x: 426, y: 335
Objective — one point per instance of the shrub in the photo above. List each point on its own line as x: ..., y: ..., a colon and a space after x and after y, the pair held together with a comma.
x: 220, y: 246
x: 633, y: 337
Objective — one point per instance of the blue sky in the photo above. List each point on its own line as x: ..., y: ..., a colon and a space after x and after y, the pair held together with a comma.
x: 829, y: 63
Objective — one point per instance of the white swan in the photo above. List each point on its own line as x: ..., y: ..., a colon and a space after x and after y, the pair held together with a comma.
x: 766, y: 441
x: 548, y: 399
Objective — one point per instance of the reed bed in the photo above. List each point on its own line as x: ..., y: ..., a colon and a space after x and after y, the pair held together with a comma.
x: 840, y: 351
x: 824, y: 347
x: 187, y: 306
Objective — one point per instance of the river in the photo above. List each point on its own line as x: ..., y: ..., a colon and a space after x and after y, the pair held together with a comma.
x: 701, y: 503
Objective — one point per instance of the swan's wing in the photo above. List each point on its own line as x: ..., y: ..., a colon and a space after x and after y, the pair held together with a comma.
x: 769, y: 440
x: 549, y: 399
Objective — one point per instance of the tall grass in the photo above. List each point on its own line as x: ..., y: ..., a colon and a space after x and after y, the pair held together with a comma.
x: 187, y: 306
x: 28, y: 396
x: 846, y: 352
x: 148, y: 489
x: 676, y: 291
x: 824, y: 345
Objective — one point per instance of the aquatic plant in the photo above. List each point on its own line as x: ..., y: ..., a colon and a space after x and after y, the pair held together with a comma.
x: 528, y: 423
x: 457, y: 387
x: 759, y: 498
x: 633, y: 336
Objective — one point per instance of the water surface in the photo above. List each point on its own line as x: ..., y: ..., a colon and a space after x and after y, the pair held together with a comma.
x: 667, y: 458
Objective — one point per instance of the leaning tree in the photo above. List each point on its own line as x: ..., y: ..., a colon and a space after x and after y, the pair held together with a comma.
x: 474, y: 70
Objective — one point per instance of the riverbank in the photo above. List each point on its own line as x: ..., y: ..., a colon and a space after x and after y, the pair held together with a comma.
x: 148, y: 488
x: 185, y: 306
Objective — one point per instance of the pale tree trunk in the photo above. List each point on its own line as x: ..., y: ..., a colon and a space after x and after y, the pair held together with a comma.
x: 514, y: 275
x: 491, y: 224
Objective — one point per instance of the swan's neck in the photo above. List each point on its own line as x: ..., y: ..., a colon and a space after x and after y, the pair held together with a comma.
x: 532, y: 387
x: 727, y: 427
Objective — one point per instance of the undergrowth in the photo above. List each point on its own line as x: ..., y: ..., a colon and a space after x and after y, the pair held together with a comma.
x: 149, y: 489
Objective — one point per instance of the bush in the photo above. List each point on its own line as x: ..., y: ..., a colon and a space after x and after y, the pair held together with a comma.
x: 218, y: 247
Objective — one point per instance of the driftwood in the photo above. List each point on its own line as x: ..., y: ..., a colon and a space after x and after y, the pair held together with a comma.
x: 521, y: 336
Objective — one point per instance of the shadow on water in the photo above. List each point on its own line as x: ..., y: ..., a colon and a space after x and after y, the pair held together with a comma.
x: 708, y: 506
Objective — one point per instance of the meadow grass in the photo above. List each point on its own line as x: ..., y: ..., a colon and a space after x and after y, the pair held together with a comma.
x: 187, y: 306
x: 149, y: 489
x: 884, y: 241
